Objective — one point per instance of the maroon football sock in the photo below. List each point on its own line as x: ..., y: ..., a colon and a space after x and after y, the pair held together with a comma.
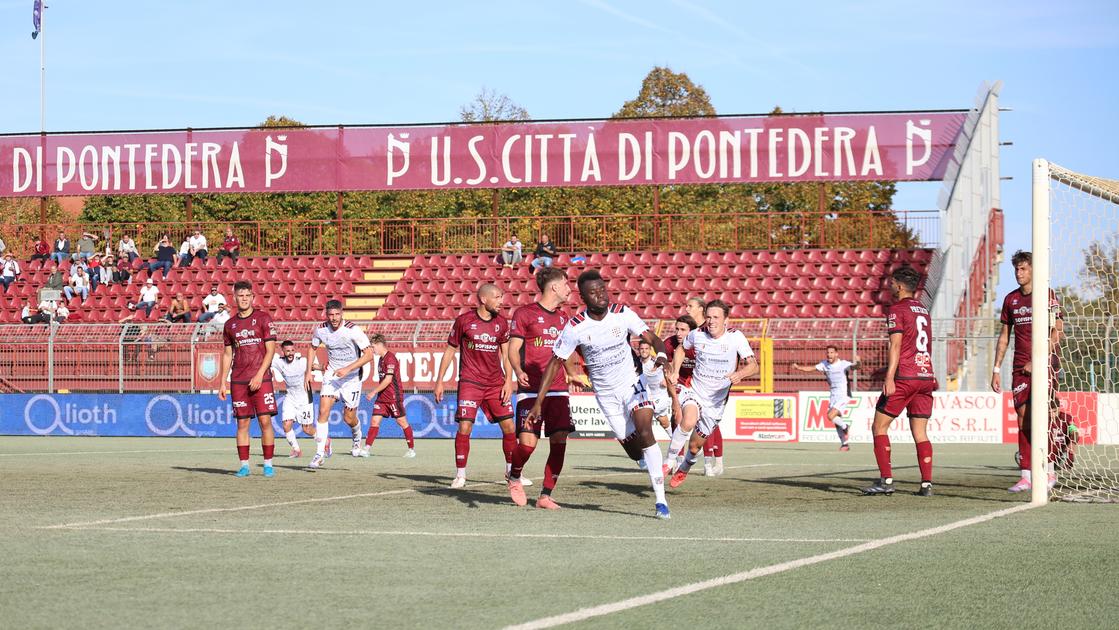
x: 462, y: 449
x: 554, y: 466
x: 717, y: 444
x: 924, y: 460
x: 408, y: 436
x: 243, y: 452
x: 882, y: 455
x: 508, y: 443
x: 269, y: 450
x: 1024, y: 450
x: 371, y: 435
x: 708, y: 446
x: 520, y: 457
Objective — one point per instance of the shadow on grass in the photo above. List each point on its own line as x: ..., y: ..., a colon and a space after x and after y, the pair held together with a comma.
x: 842, y: 483
x: 208, y: 471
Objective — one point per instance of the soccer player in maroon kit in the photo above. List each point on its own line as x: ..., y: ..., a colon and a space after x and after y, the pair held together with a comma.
x: 535, y: 329
x: 250, y: 343
x: 485, y: 377
x: 910, y: 382
x: 390, y: 397
x: 1017, y: 314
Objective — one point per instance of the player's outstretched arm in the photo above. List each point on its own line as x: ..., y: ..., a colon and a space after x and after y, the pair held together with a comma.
x: 803, y: 368
x: 265, y: 365
x: 1000, y: 352
x: 577, y: 381
x: 441, y: 371
x: 226, y: 363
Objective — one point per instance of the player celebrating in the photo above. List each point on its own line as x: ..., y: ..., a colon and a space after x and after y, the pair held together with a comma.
x: 602, y: 332
x: 909, y: 382
x: 290, y: 366
x: 659, y: 393
x: 723, y: 358
x: 839, y: 397
x: 684, y: 404
x: 390, y: 397
x: 485, y: 380
x: 535, y: 329
x: 347, y: 351
x: 713, y: 447
x: 1017, y: 314
x: 250, y: 342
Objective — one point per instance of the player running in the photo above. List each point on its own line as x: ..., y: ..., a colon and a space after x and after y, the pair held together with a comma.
x: 1017, y: 315
x: 485, y: 377
x: 713, y: 447
x: 660, y: 394
x: 839, y: 390
x: 347, y: 351
x: 390, y: 397
x: 535, y: 329
x: 684, y: 403
x: 601, y: 333
x: 250, y: 343
x: 290, y: 366
x: 909, y: 382
x: 723, y: 358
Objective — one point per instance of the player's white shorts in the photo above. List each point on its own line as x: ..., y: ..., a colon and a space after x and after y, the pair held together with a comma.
x: 348, y: 390
x: 296, y: 408
x: 618, y: 407
x: 662, y: 404
x: 710, y: 414
x: 842, y: 404
x: 685, y: 396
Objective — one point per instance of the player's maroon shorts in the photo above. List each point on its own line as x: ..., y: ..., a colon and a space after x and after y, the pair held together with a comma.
x: 473, y: 397
x: 913, y: 395
x: 555, y: 415
x: 247, y: 404
x: 1020, y: 384
x: 388, y: 408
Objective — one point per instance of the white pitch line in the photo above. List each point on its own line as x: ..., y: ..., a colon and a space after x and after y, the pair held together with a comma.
x: 652, y: 598
x: 147, y: 517
x: 380, y: 532
x: 149, y: 450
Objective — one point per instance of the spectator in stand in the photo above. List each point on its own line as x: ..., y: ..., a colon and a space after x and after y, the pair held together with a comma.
x: 61, y: 249
x: 511, y: 251
x: 57, y: 279
x: 198, y: 245
x: 180, y: 310
x: 108, y: 266
x: 30, y: 315
x: 87, y: 247
x: 544, y: 255
x: 122, y: 272
x: 217, y: 322
x: 61, y: 313
x: 9, y: 270
x: 94, y: 272
x: 230, y: 247
x: 79, y: 285
x: 184, y: 253
x: 164, y: 256
x: 41, y: 251
x: 76, y: 265
x: 149, y: 297
x: 126, y: 248
x: 211, y: 304
x: 47, y: 309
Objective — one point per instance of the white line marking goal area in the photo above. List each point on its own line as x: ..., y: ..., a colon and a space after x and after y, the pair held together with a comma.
x: 687, y: 589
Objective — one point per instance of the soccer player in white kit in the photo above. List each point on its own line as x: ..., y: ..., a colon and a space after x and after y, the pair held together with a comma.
x: 839, y: 390
x: 659, y: 393
x: 722, y: 358
x: 602, y: 333
x: 348, y: 350
x: 290, y: 367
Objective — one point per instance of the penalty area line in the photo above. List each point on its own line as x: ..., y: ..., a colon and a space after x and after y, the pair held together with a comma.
x: 687, y: 589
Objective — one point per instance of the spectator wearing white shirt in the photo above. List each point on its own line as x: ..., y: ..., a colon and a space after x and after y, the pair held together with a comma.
x: 149, y: 296
x: 47, y: 309
x: 10, y: 270
x: 79, y: 285
x: 127, y: 248
x: 198, y: 246
x: 511, y: 251
x: 184, y: 253
x: 61, y: 313
x: 211, y: 304
x: 31, y: 315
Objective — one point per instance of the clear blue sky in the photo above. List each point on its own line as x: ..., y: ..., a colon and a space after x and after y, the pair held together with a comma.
x: 114, y: 64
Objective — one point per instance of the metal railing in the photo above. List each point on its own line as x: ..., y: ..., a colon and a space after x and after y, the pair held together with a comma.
x: 472, y: 235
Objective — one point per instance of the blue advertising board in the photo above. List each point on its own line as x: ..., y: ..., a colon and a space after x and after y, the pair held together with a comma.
x: 197, y: 415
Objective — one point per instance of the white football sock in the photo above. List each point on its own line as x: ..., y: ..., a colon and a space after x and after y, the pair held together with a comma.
x: 689, y: 460
x: 290, y: 435
x: 654, y: 460
x: 719, y: 462
x: 679, y: 439
x: 356, y: 431
x: 1027, y: 475
x: 322, y: 432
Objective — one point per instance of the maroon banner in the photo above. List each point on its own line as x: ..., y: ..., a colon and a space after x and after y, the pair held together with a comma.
x: 840, y: 147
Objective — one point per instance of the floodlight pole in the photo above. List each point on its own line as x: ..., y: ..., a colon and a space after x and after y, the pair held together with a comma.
x: 1040, y: 331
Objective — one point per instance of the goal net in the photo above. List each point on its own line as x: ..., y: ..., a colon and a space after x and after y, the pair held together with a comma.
x: 1083, y: 273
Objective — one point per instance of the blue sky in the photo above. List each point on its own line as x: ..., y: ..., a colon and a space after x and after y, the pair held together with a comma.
x: 113, y: 65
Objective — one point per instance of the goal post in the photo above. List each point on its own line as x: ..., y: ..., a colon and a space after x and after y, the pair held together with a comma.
x: 1076, y: 256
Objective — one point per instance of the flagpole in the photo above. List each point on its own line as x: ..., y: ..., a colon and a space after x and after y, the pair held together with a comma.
x: 43, y: 202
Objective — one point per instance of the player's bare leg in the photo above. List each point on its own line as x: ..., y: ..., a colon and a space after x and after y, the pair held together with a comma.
x: 644, y: 438
x: 919, y: 426
x: 557, y: 451
x: 885, y: 483
x: 462, y: 452
x: 349, y: 416
x: 681, y: 437
x: 322, y: 432
x: 841, y: 427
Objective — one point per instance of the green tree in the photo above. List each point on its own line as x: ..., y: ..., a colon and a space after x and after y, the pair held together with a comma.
x: 490, y: 106
x: 667, y: 93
